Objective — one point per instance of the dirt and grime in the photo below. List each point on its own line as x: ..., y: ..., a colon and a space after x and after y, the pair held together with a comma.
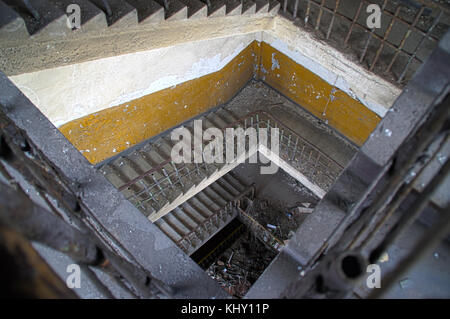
x: 238, y: 267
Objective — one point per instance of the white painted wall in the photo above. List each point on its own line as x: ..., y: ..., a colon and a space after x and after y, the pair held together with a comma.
x: 332, y: 66
x: 70, y: 92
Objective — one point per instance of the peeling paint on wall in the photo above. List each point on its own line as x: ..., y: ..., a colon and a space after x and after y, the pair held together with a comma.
x: 332, y: 66
x: 107, y: 105
x: 117, y: 128
x: 70, y: 92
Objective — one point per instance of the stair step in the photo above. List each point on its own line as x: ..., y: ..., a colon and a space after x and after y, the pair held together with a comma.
x: 142, y: 163
x: 202, y: 207
x: 121, y: 164
x: 118, y: 13
x: 198, y: 219
x: 234, y: 182
x: 175, y: 10
x: 215, y: 197
x: 217, y: 8
x: 248, y: 7
x: 165, y: 146
x: 184, y: 220
x: 179, y: 224
x: 194, y: 219
x: 92, y: 18
x: 42, y: 18
x: 197, y: 206
x: 165, y: 180
x: 228, y: 186
x: 222, y: 192
x: 135, y: 193
x: 148, y: 11
x: 168, y: 230
x: 274, y: 6
x: 202, y: 199
x: 228, y: 116
x: 113, y: 176
x: 148, y: 193
x: 175, y: 225
x: 12, y: 25
x: 234, y: 7
x: 208, y: 168
x: 191, y: 206
x: 262, y: 6
x: 217, y: 120
x: 196, y: 9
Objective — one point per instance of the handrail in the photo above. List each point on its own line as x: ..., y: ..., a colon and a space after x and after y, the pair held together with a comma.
x: 238, y: 121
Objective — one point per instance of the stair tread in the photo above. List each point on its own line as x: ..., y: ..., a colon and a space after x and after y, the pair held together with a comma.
x: 222, y: 192
x: 248, y: 7
x: 148, y: 11
x: 234, y: 7
x: 196, y: 219
x: 274, y: 6
x: 119, y: 13
x: 231, y: 188
x: 50, y: 20
x: 217, y: 8
x: 12, y: 25
x: 168, y: 230
x: 215, y: 197
x: 175, y: 10
x: 92, y: 18
x: 262, y: 6
x: 196, y: 9
x: 235, y: 182
x: 176, y: 228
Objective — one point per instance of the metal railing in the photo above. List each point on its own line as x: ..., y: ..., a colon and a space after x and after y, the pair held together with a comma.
x: 149, y: 194
x: 213, y: 221
x: 409, y: 31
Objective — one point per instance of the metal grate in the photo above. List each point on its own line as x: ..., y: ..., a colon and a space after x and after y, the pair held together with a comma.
x: 410, y: 30
x: 319, y: 168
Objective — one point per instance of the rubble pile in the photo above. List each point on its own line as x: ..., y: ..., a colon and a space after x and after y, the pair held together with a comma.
x: 239, y: 266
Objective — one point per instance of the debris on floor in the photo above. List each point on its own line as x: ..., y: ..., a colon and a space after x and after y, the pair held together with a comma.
x: 405, y: 283
x: 269, y: 225
x: 282, y: 222
x: 238, y: 267
x: 384, y: 257
x: 303, y: 210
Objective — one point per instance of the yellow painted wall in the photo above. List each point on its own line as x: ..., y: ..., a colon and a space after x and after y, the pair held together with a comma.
x: 106, y: 133
x: 347, y: 115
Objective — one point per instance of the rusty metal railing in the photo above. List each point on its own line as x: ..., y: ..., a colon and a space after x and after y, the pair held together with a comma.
x: 148, y: 194
x: 410, y: 30
x: 212, y: 222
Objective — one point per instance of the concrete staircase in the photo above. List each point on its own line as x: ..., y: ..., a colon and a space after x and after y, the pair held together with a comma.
x: 155, y: 184
x: 47, y: 18
x: 194, y: 222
